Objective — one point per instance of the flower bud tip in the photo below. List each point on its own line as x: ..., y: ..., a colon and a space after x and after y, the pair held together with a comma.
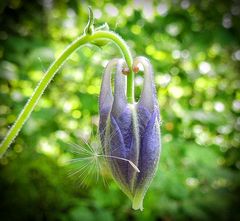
x: 135, y: 69
x: 125, y: 71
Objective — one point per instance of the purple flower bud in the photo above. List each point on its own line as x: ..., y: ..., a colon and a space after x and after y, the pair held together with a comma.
x: 130, y: 131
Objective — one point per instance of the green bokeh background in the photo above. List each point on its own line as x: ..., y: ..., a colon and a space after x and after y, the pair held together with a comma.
x: 194, y: 47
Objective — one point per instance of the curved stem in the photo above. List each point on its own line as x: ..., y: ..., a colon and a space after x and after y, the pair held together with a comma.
x: 33, y: 100
x: 125, y: 52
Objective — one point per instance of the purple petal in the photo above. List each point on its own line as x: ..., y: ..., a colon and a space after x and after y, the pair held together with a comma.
x: 130, y: 131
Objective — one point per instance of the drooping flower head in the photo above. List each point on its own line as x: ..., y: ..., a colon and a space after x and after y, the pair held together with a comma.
x: 130, y: 131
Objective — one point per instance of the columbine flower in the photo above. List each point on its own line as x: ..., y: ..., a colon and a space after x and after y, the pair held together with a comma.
x: 130, y: 131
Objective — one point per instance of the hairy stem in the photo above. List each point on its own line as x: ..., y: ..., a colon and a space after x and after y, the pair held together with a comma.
x: 33, y: 100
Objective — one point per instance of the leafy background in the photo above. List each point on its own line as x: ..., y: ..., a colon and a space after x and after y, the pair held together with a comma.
x: 194, y: 47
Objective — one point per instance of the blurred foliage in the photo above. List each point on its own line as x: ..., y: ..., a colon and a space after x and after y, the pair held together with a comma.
x: 194, y: 47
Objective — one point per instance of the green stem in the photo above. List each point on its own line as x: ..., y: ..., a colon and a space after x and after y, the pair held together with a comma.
x: 126, y: 54
x: 33, y: 100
